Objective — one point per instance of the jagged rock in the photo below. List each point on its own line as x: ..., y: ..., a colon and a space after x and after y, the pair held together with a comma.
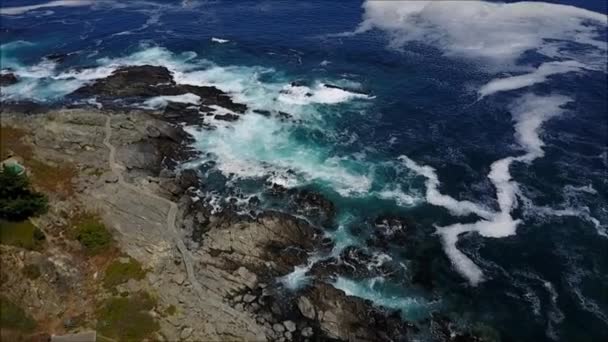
x: 354, y: 262
x: 7, y: 79
x: 306, y: 308
x: 148, y: 81
x: 227, y: 117
x: 248, y: 298
x: 350, y: 318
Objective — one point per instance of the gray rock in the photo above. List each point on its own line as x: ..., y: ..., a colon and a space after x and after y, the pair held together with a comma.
x: 248, y: 298
x: 278, y: 327
x: 307, y: 332
x: 290, y: 326
x: 179, y: 278
x: 186, y: 332
x: 288, y: 335
x: 306, y: 308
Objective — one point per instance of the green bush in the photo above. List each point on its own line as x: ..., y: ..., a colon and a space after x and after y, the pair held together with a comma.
x: 93, y: 235
x: 127, y: 319
x: 21, y: 234
x: 17, y: 200
x: 120, y: 272
x: 13, y: 317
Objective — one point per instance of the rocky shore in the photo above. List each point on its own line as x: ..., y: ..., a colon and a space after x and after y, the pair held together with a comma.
x: 218, y: 273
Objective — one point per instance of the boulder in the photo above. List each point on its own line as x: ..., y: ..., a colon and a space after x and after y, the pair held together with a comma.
x: 7, y: 79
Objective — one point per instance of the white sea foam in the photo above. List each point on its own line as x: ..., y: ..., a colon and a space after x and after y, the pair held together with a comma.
x: 537, y: 76
x: 319, y: 93
x: 58, y: 3
x: 529, y: 112
x: 219, y: 40
x: 495, y: 33
x: 412, y: 307
x: 158, y: 102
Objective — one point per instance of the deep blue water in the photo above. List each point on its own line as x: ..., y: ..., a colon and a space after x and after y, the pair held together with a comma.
x: 545, y: 280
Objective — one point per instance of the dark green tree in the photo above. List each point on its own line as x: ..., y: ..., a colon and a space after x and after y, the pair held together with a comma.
x: 17, y: 199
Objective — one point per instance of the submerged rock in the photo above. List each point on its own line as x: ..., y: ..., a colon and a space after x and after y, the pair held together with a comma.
x: 227, y: 117
x: 7, y: 79
x: 314, y: 205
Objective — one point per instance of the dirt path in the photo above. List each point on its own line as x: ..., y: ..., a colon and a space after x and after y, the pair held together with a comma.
x: 171, y: 216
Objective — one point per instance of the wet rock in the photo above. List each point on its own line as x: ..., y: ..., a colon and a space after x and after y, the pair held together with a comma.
x: 7, y: 79
x: 314, y: 205
x: 350, y: 318
x: 356, y: 263
x: 391, y: 228
x: 227, y: 117
x: 131, y: 81
x: 24, y: 107
x: 178, y: 112
x: 147, y: 81
x: 350, y: 90
x: 262, y: 112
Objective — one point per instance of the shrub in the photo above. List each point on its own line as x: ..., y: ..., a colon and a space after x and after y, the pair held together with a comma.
x: 120, y: 272
x: 93, y: 235
x: 21, y: 234
x: 17, y: 200
x: 127, y: 319
x: 13, y: 317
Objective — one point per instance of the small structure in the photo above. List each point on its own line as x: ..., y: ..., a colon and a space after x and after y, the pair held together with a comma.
x: 86, y: 336
x: 14, y: 163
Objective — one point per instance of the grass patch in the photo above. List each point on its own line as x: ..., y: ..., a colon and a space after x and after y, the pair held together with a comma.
x: 51, y: 178
x: 127, y: 319
x: 13, y: 317
x: 45, y: 177
x: 21, y: 234
x: 92, y: 234
x: 11, y: 142
x: 170, y: 310
x: 31, y: 271
x: 120, y: 272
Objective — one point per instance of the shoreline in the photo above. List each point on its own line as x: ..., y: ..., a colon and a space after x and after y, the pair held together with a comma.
x: 226, y: 272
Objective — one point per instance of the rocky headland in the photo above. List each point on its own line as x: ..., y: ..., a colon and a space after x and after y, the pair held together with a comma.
x: 212, y: 276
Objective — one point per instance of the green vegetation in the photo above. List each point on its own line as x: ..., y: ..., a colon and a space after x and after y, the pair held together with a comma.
x: 170, y: 310
x: 13, y: 317
x: 120, y: 272
x: 93, y: 235
x: 127, y: 319
x: 21, y: 234
x: 17, y: 200
x: 31, y: 271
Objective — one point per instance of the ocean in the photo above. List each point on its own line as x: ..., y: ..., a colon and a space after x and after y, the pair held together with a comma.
x: 481, y: 125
